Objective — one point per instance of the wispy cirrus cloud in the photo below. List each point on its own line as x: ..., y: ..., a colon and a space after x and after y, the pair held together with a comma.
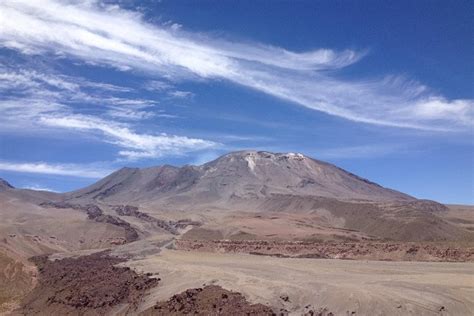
x: 36, y: 101
x: 181, y: 94
x: 29, y: 79
x: 19, y: 83
x: 94, y: 33
x: 37, y: 187
x: 74, y: 170
x: 121, y: 112
x: 136, y: 145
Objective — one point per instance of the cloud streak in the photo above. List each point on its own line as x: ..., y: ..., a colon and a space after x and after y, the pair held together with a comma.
x: 74, y: 170
x: 94, y: 33
x: 137, y: 145
x: 37, y: 101
x: 39, y: 188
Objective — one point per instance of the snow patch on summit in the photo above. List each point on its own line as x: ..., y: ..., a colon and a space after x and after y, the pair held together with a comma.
x: 295, y: 156
x: 251, y: 162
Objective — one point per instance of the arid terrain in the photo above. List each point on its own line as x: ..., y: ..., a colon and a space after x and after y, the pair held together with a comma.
x: 250, y: 233
x: 338, y: 286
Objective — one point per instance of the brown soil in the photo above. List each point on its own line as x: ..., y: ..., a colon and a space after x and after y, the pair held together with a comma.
x: 87, y: 285
x: 210, y: 300
x: 336, y: 250
x: 16, y: 279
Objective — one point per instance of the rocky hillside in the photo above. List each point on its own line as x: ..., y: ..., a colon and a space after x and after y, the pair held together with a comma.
x: 238, y: 175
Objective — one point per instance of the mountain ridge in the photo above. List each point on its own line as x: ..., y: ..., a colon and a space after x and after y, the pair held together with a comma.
x: 245, y: 174
x: 5, y: 185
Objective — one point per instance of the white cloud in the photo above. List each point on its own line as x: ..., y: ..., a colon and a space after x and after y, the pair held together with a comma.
x: 137, y: 145
x: 175, y: 26
x: 95, y: 34
x: 157, y: 85
x: 74, y: 170
x: 44, y: 101
x: 27, y: 83
x: 440, y: 109
x: 26, y: 79
x: 38, y: 188
x: 181, y: 94
x: 129, y: 114
x: 21, y: 114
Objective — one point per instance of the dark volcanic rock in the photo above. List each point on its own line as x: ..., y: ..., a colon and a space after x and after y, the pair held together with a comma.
x: 130, y: 233
x: 210, y: 300
x: 128, y: 210
x: 337, y: 250
x: 62, y: 205
x: 87, y: 285
x: 93, y: 211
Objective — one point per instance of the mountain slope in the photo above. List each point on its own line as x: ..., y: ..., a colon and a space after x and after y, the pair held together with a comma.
x: 4, y: 185
x: 244, y: 175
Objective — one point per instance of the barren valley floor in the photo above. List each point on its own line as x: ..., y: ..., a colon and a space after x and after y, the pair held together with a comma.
x: 341, y: 286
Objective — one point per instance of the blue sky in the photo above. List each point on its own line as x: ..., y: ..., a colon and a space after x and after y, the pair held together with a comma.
x: 380, y: 88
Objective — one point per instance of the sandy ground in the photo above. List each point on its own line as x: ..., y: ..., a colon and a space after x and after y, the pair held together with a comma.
x: 342, y: 286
